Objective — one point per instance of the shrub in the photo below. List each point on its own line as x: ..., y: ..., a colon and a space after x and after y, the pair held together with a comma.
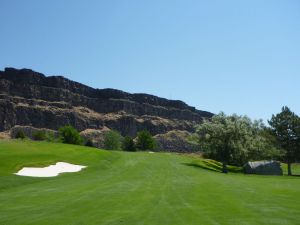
x: 50, y: 136
x: 89, y: 143
x: 145, y: 141
x: 128, y: 144
x: 112, y: 140
x: 39, y: 135
x: 70, y: 135
x: 20, y: 135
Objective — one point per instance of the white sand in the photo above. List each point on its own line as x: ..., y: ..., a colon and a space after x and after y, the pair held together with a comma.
x: 151, y: 152
x: 50, y: 171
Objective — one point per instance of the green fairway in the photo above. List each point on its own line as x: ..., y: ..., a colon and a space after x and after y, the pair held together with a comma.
x: 136, y: 188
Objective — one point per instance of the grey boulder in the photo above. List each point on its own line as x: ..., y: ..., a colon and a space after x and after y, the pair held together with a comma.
x: 263, y: 168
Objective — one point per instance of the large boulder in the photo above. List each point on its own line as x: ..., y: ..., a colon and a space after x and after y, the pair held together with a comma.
x: 95, y: 136
x: 263, y: 168
x: 30, y: 131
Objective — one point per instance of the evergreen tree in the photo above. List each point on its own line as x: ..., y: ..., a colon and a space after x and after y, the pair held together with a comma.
x: 286, y: 127
x: 70, y: 135
x: 128, y: 144
x: 145, y: 141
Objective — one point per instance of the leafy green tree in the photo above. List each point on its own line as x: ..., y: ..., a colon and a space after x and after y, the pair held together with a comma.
x: 286, y: 127
x: 128, y: 144
x: 112, y: 140
x: 145, y: 141
x: 271, y: 147
x: 70, y: 135
x: 233, y: 139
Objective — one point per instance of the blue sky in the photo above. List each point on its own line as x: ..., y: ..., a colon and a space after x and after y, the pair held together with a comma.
x: 232, y: 56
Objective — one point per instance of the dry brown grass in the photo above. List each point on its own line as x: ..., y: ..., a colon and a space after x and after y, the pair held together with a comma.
x: 5, y: 135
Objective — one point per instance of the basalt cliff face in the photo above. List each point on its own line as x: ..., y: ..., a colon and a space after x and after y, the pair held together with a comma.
x: 28, y: 98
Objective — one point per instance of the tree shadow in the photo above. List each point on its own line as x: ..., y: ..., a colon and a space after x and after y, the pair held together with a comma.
x: 211, y: 166
x: 207, y: 166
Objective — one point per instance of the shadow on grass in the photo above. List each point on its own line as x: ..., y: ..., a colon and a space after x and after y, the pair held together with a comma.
x: 213, y: 166
x: 216, y: 166
x: 201, y: 166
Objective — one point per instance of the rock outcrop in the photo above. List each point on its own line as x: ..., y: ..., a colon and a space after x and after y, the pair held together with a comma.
x: 29, y: 98
x: 176, y: 140
x: 95, y: 136
x: 30, y: 131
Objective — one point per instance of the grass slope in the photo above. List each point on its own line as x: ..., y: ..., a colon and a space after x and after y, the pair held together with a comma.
x: 136, y: 188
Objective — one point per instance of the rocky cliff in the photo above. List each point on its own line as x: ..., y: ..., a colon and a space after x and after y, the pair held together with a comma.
x: 29, y: 98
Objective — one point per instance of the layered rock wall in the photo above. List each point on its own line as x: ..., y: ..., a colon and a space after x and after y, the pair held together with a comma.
x: 29, y: 98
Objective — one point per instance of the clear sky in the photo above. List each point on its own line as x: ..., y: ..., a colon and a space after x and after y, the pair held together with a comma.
x: 217, y: 55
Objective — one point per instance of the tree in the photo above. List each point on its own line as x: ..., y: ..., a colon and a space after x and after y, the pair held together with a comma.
x: 39, y: 135
x: 112, y: 140
x: 70, y: 135
x: 20, y: 135
x: 272, y: 149
x: 51, y: 137
x: 128, y: 144
x: 286, y: 127
x: 233, y: 139
x: 145, y: 141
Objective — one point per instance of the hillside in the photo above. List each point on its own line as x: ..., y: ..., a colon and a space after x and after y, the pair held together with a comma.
x: 29, y: 98
x: 136, y: 188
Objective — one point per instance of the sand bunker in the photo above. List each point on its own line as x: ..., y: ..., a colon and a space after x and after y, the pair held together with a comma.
x: 50, y: 171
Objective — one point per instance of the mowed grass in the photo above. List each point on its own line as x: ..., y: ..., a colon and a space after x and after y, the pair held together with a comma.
x: 136, y: 188
x: 213, y: 165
